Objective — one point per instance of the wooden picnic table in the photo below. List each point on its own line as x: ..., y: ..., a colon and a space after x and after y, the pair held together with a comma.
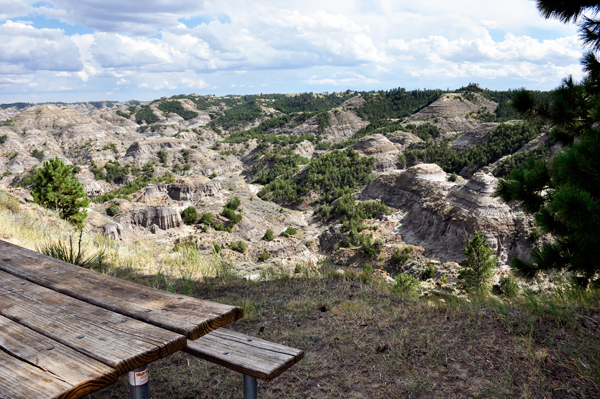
x: 66, y: 331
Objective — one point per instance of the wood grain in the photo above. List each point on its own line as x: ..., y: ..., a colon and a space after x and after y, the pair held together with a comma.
x: 91, y: 330
x: 29, y: 370
x: 257, y: 357
x: 188, y: 316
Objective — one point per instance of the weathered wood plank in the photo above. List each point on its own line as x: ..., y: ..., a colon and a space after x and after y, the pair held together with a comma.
x: 33, y: 371
x: 252, y: 356
x: 188, y: 316
x: 117, y: 341
x: 21, y: 380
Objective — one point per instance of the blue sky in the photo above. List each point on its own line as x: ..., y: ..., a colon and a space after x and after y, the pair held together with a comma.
x: 64, y: 50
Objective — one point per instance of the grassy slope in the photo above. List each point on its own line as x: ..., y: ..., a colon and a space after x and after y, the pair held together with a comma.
x: 363, y: 339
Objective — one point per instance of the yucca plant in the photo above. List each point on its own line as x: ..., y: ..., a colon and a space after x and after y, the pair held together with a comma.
x: 69, y: 251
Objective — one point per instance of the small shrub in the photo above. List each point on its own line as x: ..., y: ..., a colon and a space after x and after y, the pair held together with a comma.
x: 367, y: 273
x: 207, y: 218
x: 162, y: 155
x: 401, y: 161
x: 476, y: 275
x: 3, y: 138
x: 217, y: 249
x: 112, y: 210
x: 268, y: 235
x: 407, y: 284
x: 189, y: 215
x: 233, y: 203
x: 233, y: 217
x: 38, y: 154
x: 509, y: 286
x: 428, y: 273
x: 400, y: 257
x: 290, y: 231
x: 373, y: 249
x: 212, y: 176
x: 453, y: 177
x: 263, y: 257
x: 240, y: 246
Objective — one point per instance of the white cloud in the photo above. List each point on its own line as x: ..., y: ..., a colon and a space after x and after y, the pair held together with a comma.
x: 356, y: 43
x: 34, y: 49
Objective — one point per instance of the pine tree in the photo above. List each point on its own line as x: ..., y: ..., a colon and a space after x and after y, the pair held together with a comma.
x: 56, y: 188
x: 476, y: 275
x: 564, y: 192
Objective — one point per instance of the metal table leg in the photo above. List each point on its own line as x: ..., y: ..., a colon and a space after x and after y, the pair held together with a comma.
x: 249, y: 387
x: 138, y: 383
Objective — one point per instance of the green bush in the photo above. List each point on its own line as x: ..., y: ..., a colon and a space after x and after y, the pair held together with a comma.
x: 263, y: 257
x: 212, y: 176
x: 217, y: 249
x: 400, y: 257
x: 233, y: 203
x: 233, y: 217
x: 372, y: 249
x: 162, y: 155
x: 453, y: 177
x: 38, y: 154
x: 3, y: 138
x: 290, y: 231
x: 509, y: 286
x: 268, y: 235
x: 189, y: 215
x: 240, y: 246
x: 407, y: 284
x: 207, y: 218
x: 428, y: 273
x: 112, y: 210
x: 55, y: 187
x: 476, y: 275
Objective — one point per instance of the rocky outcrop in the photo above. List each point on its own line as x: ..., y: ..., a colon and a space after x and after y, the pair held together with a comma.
x: 450, y: 113
x: 376, y: 145
x: 442, y: 216
x: 142, y: 152
x: 404, y: 139
x: 343, y: 124
x: 163, y: 216
x: 473, y: 137
x: 114, y: 230
x: 194, y: 190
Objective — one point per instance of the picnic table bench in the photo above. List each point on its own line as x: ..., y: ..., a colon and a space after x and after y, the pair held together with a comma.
x: 66, y: 331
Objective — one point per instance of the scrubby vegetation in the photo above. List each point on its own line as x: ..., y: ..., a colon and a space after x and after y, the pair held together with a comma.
x: 189, y: 215
x: 239, y: 246
x: 145, y: 177
x: 333, y: 174
x: 145, y: 114
x: 504, y: 140
x: 177, y: 108
x: 395, y: 103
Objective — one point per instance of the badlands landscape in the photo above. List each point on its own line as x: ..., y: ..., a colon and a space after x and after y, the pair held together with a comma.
x: 143, y: 163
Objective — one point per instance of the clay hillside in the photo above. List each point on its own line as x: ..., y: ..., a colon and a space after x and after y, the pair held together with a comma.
x: 399, y: 180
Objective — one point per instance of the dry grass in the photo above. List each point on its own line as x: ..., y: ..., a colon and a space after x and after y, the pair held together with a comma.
x: 361, y: 338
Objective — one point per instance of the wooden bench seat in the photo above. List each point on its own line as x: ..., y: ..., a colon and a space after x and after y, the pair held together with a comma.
x: 248, y: 355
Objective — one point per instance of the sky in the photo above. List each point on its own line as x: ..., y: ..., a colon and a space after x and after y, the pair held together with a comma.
x: 92, y: 50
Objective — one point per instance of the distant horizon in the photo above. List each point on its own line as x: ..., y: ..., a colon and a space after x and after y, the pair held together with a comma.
x: 447, y: 90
